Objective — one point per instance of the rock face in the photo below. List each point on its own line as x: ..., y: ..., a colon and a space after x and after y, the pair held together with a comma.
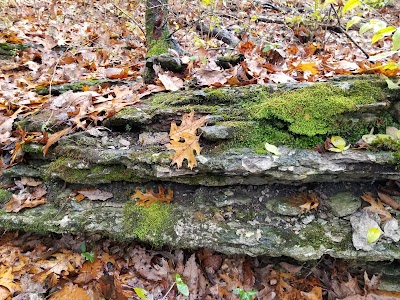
x: 239, y: 198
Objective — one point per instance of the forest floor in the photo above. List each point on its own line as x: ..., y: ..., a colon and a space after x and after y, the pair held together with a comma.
x: 69, y: 41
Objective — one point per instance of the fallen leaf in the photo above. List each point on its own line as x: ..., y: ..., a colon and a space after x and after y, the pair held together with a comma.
x: 54, y: 138
x: 272, y: 149
x: 146, y: 199
x: 29, y: 181
x: 171, y: 83
x: 71, y: 291
x: 117, y: 73
x: 389, y: 200
x: 373, y: 234
x: 7, y: 280
x: 96, y: 194
x: 21, y: 201
x: 184, y: 140
x: 376, y: 207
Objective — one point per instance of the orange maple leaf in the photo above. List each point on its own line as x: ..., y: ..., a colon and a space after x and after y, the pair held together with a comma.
x: 146, y: 199
x: 184, y: 140
x: 376, y: 207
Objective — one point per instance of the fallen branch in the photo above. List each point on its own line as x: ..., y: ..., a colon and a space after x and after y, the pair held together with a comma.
x: 219, y: 33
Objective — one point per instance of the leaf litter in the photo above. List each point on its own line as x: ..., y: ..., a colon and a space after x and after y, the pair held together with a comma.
x: 56, y: 268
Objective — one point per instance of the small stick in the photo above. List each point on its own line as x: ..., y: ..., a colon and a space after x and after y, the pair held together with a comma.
x: 164, y: 298
x: 130, y: 18
x: 345, y: 32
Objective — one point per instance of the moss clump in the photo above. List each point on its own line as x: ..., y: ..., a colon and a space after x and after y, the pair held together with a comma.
x: 74, y: 86
x: 386, y: 144
x: 254, y: 135
x: 39, y: 220
x: 314, y: 110
x: 4, y: 196
x: 7, y: 49
x: 158, y: 47
x: 149, y: 223
x: 32, y: 148
x: 70, y: 170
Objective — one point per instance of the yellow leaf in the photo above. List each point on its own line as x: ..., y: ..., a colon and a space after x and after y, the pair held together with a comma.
x: 349, y: 5
x: 373, y: 234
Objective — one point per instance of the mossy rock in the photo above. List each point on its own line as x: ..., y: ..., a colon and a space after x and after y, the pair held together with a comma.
x: 4, y: 196
x: 150, y: 224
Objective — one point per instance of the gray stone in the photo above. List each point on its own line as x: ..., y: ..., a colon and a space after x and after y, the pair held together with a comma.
x: 217, y: 132
x: 391, y: 230
x: 361, y: 223
x: 153, y: 138
x: 344, y: 204
x: 284, y: 207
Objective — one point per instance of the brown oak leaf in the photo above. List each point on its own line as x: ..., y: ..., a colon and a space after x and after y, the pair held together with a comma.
x: 146, y: 199
x: 184, y: 140
x: 376, y: 207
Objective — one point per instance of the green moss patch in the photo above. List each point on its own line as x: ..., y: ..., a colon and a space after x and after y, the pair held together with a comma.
x: 149, y: 223
x: 69, y: 170
x: 302, y: 118
x: 4, y: 196
x: 73, y: 86
x: 314, y: 110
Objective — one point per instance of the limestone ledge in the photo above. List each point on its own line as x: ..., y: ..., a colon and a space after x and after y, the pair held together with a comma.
x: 94, y: 163
x: 252, y: 220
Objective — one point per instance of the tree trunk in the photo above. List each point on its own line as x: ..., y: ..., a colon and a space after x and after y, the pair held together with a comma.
x: 158, y: 37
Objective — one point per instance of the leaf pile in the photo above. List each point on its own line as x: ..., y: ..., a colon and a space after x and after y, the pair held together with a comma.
x: 31, y: 194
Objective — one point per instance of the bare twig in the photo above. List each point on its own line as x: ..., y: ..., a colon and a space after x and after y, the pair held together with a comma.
x: 130, y: 18
x: 166, y: 294
x: 345, y: 32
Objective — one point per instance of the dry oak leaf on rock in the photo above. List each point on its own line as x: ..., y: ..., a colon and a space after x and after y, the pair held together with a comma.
x: 146, y: 199
x: 184, y: 140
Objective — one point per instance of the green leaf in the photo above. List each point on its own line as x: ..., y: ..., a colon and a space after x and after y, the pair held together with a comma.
x: 354, y: 20
x: 365, y: 28
x: 182, y: 287
x: 349, y: 5
x: 88, y: 256
x: 338, y: 142
x: 396, y: 40
x: 237, y: 291
x: 273, y: 149
x: 388, y: 66
x: 382, y: 33
x: 392, y: 85
x: 378, y: 24
x: 373, y: 234
x: 393, y: 132
x: 83, y: 247
x: 374, y: 24
x: 369, y: 138
x: 142, y: 293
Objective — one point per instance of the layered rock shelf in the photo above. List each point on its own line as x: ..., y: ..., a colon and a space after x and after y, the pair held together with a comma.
x: 239, y: 199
